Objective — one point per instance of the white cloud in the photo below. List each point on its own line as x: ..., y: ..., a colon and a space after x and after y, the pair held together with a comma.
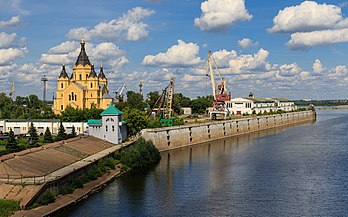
x: 64, y: 47
x: 308, y: 16
x: 6, y: 40
x: 246, y: 42
x: 14, y: 21
x: 180, y: 55
x: 305, y: 40
x: 219, y: 15
x: 13, y: 6
x: 223, y: 57
x: 251, y: 63
x: 9, y: 55
x: 311, y: 24
x: 128, y: 27
x: 317, y: 67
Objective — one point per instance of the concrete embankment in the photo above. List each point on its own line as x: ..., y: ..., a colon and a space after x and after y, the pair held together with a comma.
x: 182, y: 136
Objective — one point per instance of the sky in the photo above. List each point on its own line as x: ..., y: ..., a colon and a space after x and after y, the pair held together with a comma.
x: 292, y: 49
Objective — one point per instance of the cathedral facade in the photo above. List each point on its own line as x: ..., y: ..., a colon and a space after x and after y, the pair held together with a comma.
x: 84, y: 88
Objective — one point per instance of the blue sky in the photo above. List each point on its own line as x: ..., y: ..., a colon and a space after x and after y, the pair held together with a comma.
x: 293, y: 49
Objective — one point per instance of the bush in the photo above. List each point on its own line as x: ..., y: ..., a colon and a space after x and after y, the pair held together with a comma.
x: 66, y: 190
x: 8, y: 207
x: 77, y: 183
x: 142, y: 154
x: 46, y: 198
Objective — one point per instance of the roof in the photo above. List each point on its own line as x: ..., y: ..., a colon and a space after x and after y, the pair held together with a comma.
x: 63, y: 73
x: 94, y: 122
x: 80, y: 86
x: 82, y: 59
x: 111, y: 110
x: 92, y: 74
x: 101, y: 73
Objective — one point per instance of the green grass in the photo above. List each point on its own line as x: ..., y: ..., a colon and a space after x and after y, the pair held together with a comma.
x: 8, y: 207
x: 2, y: 147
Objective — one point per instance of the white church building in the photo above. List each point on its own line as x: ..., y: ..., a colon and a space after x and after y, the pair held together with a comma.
x: 110, y: 128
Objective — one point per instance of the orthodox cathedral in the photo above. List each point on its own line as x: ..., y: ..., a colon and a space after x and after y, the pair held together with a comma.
x: 84, y: 88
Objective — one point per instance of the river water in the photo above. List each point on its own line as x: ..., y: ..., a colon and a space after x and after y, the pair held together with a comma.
x: 296, y: 171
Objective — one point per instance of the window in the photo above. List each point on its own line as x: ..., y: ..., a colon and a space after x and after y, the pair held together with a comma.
x: 61, y: 95
x: 91, y: 95
x: 75, y: 97
x: 69, y: 97
x: 80, y: 77
x: 86, y: 76
x: 91, y: 85
x: 61, y: 107
x: 113, y: 128
x: 72, y: 96
x: 61, y: 85
x: 106, y: 128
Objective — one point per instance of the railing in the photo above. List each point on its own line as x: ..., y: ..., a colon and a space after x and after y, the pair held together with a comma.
x: 20, y: 179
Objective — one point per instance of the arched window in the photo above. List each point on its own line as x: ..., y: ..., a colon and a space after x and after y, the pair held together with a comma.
x: 86, y: 76
x: 91, y: 85
x: 113, y: 128
x: 91, y: 95
x: 75, y: 97
x: 80, y: 77
x: 61, y: 85
x: 72, y: 96
x: 106, y: 128
x: 69, y: 97
x: 61, y: 107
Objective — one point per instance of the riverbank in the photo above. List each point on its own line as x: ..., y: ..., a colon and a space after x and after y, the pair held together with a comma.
x: 65, y: 201
x: 183, y: 136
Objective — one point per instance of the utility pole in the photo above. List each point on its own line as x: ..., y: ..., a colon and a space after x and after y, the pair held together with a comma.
x: 44, y: 79
x: 141, y: 88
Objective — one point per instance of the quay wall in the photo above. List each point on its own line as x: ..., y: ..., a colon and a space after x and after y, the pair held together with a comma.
x: 182, y: 136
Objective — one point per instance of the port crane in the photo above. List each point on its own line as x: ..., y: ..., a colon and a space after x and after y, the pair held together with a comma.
x: 119, y: 92
x: 163, y: 107
x: 219, y: 90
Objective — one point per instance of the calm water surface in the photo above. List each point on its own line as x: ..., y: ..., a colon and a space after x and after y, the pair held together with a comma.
x: 298, y: 171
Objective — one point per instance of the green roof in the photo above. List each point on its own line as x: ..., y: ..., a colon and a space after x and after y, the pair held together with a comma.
x: 94, y: 122
x: 111, y: 110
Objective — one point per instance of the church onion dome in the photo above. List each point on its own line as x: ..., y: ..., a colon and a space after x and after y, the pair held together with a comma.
x: 82, y: 59
x: 92, y: 74
x: 101, y: 73
x: 63, y: 73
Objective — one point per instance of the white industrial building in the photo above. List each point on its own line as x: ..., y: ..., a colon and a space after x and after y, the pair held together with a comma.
x: 21, y: 126
x: 251, y: 105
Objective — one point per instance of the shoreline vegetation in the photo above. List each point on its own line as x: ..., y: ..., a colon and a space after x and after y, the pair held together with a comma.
x: 142, y: 155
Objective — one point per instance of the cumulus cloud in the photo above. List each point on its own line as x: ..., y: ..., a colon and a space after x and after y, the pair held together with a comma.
x: 246, y: 42
x: 305, y: 40
x: 67, y: 52
x: 9, y: 55
x: 251, y: 63
x: 311, y: 24
x: 14, y: 21
x: 180, y: 55
x: 128, y: 27
x: 306, y: 17
x: 7, y: 40
x: 317, y: 67
x: 219, y: 15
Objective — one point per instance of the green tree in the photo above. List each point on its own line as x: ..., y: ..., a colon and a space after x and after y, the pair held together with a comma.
x: 73, y: 132
x: 47, y: 136
x: 180, y: 101
x: 134, y: 101
x: 11, y: 142
x: 136, y: 120
x: 61, y: 132
x: 200, y: 104
x: 33, y: 136
x: 152, y: 97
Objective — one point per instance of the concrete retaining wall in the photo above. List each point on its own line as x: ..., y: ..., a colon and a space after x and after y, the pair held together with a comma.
x: 182, y: 136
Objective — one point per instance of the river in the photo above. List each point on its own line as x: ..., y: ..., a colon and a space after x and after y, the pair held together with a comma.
x: 296, y: 171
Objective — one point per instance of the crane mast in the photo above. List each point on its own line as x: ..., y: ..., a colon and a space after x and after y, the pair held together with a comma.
x: 219, y: 91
